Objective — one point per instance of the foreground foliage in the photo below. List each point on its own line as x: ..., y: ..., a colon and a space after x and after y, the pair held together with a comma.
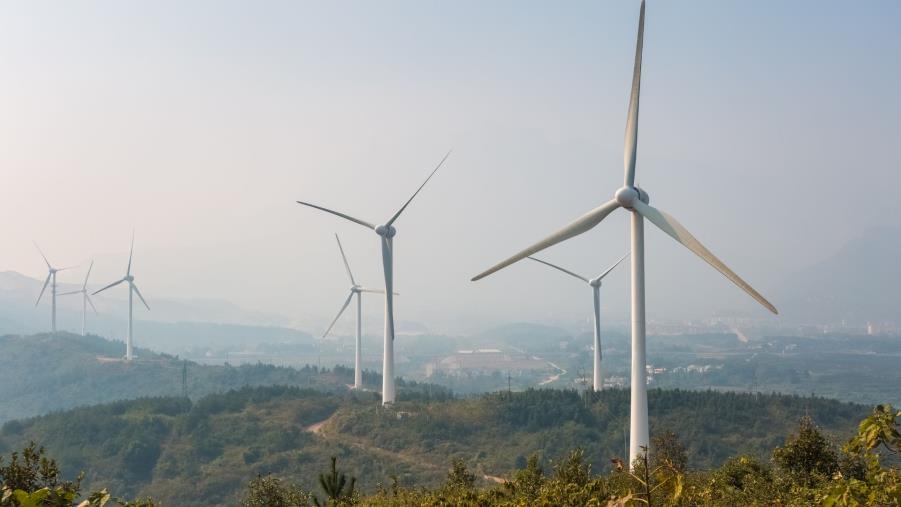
x: 33, y: 480
x: 193, y: 453
x: 806, y: 471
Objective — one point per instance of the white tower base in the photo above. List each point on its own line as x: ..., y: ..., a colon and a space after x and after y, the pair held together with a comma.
x: 639, y: 435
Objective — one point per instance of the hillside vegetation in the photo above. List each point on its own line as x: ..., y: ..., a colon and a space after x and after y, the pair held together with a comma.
x: 47, y: 373
x: 204, y: 452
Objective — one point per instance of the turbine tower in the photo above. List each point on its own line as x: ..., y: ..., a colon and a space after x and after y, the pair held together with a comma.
x: 132, y: 290
x: 85, y: 299
x: 595, y: 284
x: 386, y: 234
x: 51, y: 279
x: 358, y: 290
x: 635, y: 200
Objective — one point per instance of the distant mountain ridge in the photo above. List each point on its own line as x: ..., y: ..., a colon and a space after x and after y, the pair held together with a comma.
x: 860, y: 283
x: 172, y: 325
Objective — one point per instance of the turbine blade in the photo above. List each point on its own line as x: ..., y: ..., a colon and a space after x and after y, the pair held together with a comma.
x: 344, y: 258
x: 68, y: 293
x: 342, y: 215
x: 135, y: 287
x: 376, y: 291
x: 108, y: 286
x: 341, y: 311
x: 42, y: 255
x: 570, y: 273
x: 578, y: 226
x: 85, y: 286
x: 88, y: 299
x: 130, y: 253
x: 615, y: 264
x: 401, y: 210
x: 47, y: 281
x: 672, y: 227
x: 631, y: 145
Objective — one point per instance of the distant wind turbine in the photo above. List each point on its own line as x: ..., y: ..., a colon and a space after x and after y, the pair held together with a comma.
x: 132, y: 289
x: 595, y: 284
x: 51, y: 279
x: 636, y: 201
x: 85, y: 299
x: 355, y: 289
x: 386, y: 232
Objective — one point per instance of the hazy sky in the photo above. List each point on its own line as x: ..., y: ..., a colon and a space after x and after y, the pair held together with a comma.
x: 768, y: 128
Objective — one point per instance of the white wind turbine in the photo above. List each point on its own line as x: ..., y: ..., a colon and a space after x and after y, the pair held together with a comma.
x: 636, y: 201
x: 355, y: 289
x: 85, y: 299
x: 51, y: 279
x: 595, y: 284
x: 132, y: 289
x: 386, y: 232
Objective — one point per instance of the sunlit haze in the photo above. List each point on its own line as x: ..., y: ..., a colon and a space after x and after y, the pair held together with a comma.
x: 768, y: 128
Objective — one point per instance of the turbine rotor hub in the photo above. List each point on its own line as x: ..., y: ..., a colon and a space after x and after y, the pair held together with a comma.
x: 595, y: 282
x: 626, y: 196
x: 387, y: 231
x: 129, y: 278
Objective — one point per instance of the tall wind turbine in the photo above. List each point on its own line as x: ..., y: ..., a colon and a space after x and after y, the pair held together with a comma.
x: 51, y: 279
x: 595, y: 284
x: 132, y: 289
x: 85, y: 299
x: 386, y: 232
x: 635, y: 200
x: 358, y: 290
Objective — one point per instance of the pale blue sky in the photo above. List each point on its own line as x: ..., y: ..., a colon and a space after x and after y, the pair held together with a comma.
x: 769, y: 128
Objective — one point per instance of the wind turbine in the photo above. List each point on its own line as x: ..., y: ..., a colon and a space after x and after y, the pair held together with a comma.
x: 386, y: 232
x: 132, y: 289
x: 358, y: 290
x: 51, y: 279
x: 635, y: 200
x: 595, y: 284
x: 85, y: 299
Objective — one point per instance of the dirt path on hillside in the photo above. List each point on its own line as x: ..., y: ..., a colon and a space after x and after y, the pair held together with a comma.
x: 415, y: 461
x: 552, y: 378
x: 317, y: 427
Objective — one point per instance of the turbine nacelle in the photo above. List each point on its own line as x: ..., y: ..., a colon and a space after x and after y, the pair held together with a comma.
x: 595, y: 282
x: 129, y: 278
x: 626, y: 196
x: 386, y: 231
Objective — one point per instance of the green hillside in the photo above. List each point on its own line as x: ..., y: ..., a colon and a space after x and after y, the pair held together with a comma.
x: 178, y: 451
x: 47, y: 373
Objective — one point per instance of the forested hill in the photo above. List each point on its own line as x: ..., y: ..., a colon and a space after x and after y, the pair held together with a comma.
x: 44, y: 373
x: 180, y: 451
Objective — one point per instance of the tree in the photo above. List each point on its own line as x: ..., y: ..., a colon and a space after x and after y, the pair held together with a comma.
x: 529, y: 480
x: 34, y: 471
x: 807, y: 457
x: 333, y: 484
x: 271, y: 492
x: 876, y: 485
x: 459, y: 477
x: 666, y: 448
